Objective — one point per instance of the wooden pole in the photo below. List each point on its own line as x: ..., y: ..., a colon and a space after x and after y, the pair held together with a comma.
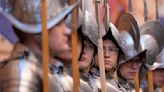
x: 106, y: 15
x: 145, y: 10
x: 75, y: 67
x: 156, y: 7
x: 130, y: 6
x: 163, y: 89
x: 150, y: 74
x: 45, y: 50
x: 115, y: 76
x: 150, y: 81
x: 100, y: 50
x: 136, y: 82
x: 136, y: 79
x: 81, y: 4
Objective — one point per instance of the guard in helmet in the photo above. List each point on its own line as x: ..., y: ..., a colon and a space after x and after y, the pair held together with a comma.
x: 86, y: 51
x: 134, y: 56
x: 157, y: 75
x: 112, y: 55
x: 22, y: 72
x: 89, y: 50
x: 65, y: 72
x: 158, y: 71
x: 152, y: 40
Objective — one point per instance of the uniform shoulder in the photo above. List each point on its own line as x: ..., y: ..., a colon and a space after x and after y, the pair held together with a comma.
x: 14, y: 67
x: 19, y: 72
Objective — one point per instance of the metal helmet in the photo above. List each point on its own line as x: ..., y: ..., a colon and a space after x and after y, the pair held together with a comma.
x: 151, y: 39
x: 127, y: 22
x: 114, y: 35
x: 90, y: 28
x: 160, y: 59
x: 159, y: 63
x: 127, y: 44
x: 80, y: 19
x: 129, y: 37
x: 89, y: 33
x: 26, y: 14
x: 152, y: 35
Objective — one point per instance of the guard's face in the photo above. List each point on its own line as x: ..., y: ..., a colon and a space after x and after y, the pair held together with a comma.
x: 110, y: 55
x: 158, y: 77
x: 59, y: 38
x: 87, y: 56
x: 130, y: 68
x: 66, y: 56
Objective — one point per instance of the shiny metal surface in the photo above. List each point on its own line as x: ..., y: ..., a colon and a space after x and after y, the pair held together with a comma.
x: 22, y: 72
x: 127, y: 22
x: 160, y: 59
x: 127, y: 44
x: 159, y: 63
x: 26, y: 14
x: 90, y: 27
x: 152, y: 35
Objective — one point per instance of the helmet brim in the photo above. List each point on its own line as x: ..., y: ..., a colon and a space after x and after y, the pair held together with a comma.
x: 141, y: 54
x: 37, y: 28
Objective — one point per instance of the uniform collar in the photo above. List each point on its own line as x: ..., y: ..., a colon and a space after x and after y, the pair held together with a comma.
x: 126, y: 84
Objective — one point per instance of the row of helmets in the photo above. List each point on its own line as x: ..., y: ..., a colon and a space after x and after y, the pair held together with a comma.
x: 132, y: 40
x: 145, y: 41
